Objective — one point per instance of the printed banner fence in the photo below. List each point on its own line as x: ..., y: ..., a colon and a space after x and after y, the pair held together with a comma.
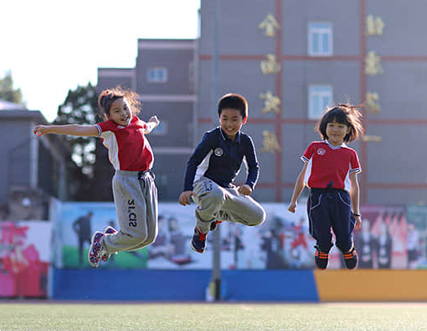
x: 392, y: 237
x: 24, y: 258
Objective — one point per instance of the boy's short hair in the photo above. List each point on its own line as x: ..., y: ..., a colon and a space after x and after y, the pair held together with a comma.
x: 233, y: 101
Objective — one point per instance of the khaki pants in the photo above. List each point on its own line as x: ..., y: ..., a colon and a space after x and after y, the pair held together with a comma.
x: 214, y: 201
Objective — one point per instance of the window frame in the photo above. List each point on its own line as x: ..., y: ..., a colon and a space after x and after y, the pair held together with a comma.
x: 328, y: 91
x: 153, y: 75
x: 320, y: 30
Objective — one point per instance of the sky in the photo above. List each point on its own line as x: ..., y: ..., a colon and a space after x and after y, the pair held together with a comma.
x: 51, y: 47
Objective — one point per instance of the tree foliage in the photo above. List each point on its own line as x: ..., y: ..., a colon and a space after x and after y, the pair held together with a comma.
x: 80, y: 108
x: 7, y: 92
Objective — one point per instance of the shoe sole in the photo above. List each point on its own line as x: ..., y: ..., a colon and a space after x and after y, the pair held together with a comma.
x: 319, y: 268
x: 92, y: 264
x: 194, y: 249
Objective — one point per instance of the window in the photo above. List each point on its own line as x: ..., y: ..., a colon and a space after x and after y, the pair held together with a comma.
x: 320, y: 39
x: 319, y: 98
x: 157, y: 75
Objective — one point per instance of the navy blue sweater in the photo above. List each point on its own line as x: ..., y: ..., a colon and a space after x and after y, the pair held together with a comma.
x: 218, y: 158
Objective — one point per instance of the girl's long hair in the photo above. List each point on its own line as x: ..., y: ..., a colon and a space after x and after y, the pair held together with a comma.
x: 108, y: 96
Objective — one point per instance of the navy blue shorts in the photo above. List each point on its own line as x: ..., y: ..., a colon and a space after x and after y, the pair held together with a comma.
x: 330, y: 209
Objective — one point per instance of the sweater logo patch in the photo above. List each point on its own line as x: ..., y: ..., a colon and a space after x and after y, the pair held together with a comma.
x: 321, y: 151
x: 218, y: 151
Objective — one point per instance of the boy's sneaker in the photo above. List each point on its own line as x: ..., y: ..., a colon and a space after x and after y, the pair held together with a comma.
x: 95, y: 249
x: 321, y: 259
x: 350, y: 259
x: 198, y: 243
x: 108, y: 230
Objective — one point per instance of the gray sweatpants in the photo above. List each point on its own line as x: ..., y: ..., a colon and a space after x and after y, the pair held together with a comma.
x: 135, y: 197
x: 216, y: 203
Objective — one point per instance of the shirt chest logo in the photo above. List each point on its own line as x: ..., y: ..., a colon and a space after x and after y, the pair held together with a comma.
x: 321, y: 151
x: 218, y: 151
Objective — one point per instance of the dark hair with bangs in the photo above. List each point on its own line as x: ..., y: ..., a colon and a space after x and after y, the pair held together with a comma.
x: 108, y: 96
x: 233, y: 101
x: 346, y: 114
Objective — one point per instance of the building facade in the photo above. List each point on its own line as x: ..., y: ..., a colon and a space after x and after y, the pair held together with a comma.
x: 292, y: 58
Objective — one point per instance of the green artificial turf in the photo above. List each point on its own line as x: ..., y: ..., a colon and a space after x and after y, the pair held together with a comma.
x: 40, y: 315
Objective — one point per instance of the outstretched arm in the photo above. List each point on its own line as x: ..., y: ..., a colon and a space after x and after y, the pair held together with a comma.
x: 67, y: 129
x: 299, y: 186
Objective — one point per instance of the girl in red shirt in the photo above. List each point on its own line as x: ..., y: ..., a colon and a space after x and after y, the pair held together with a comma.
x: 330, y: 172
x: 134, y: 190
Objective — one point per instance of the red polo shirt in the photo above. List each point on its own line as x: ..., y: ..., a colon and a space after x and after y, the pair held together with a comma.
x: 328, y: 164
x: 128, y: 149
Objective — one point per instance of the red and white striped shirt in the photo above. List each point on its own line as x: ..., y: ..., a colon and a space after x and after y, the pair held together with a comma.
x: 128, y: 149
x: 328, y: 164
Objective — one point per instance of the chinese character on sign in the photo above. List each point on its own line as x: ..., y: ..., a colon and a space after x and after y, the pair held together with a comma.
x: 270, y: 25
x: 270, y: 66
x: 376, y: 139
x: 372, y: 102
x: 373, y: 64
x: 270, y: 143
x: 271, y: 103
x: 374, y: 26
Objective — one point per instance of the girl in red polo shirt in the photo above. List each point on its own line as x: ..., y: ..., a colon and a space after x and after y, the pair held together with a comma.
x: 330, y: 172
x: 134, y: 190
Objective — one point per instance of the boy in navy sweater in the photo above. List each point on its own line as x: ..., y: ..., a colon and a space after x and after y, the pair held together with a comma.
x: 212, y: 168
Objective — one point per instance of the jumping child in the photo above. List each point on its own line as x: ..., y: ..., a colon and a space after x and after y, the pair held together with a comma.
x: 134, y: 190
x: 214, y: 165
x: 330, y: 171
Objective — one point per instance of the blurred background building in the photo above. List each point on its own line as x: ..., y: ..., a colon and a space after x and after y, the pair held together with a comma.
x: 165, y: 78
x: 32, y: 170
x: 291, y: 60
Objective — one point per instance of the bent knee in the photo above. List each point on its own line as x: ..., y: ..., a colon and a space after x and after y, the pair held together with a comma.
x: 149, y: 239
x: 258, y: 219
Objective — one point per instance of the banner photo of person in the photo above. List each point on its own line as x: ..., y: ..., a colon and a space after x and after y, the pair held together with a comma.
x: 382, y: 240
x: 416, y: 241
x: 24, y: 259
x: 281, y: 242
x: 73, y: 226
